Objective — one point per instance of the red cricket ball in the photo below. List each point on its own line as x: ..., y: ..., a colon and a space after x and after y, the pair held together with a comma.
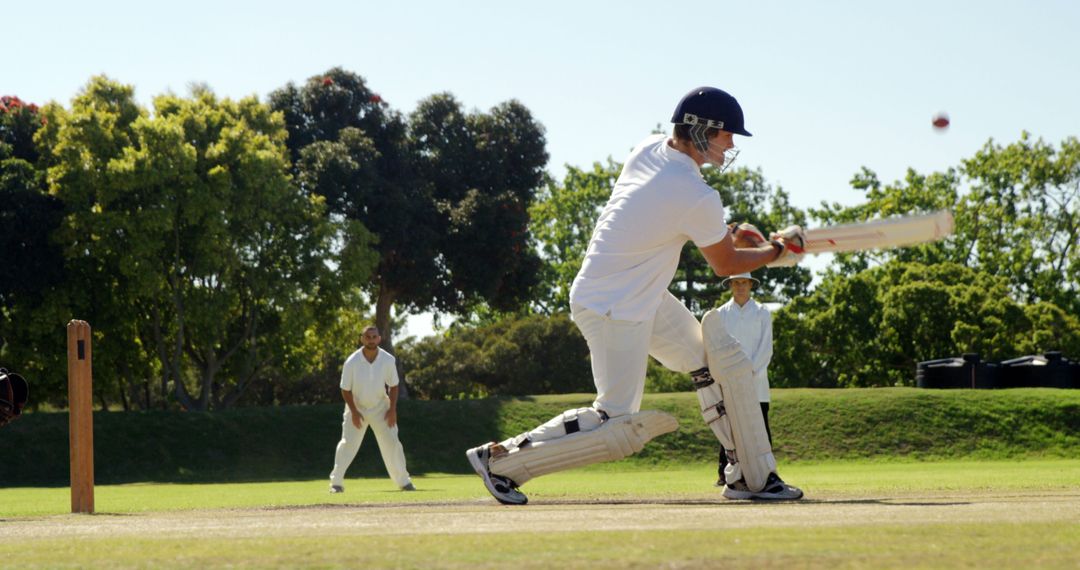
x: 941, y: 120
x: 327, y: 81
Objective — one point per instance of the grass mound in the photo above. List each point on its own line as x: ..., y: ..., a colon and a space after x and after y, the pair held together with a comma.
x: 297, y: 442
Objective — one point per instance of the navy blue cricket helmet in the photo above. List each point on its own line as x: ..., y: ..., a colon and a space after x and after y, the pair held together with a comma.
x: 710, y: 107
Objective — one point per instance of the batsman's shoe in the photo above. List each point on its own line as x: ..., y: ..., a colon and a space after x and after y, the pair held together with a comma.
x: 502, y: 488
x: 408, y: 487
x: 775, y: 490
x: 334, y: 489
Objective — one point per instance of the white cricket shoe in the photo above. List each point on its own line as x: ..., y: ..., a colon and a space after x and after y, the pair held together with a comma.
x: 335, y: 489
x: 502, y: 488
x: 775, y: 490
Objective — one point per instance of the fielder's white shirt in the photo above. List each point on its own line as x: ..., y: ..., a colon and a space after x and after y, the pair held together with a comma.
x: 368, y: 380
x: 751, y: 325
x: 659, y: 202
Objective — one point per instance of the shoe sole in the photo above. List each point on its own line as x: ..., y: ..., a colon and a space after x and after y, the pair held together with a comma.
x: 481, y: 470
x: 789, y: 494
x: 737, y: 495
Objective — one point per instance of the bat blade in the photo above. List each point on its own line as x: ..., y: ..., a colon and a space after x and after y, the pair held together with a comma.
x: 880, y: 234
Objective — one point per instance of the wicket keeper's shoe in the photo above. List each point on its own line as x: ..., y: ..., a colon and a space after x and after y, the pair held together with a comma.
x: 775, y: 490
x: 336, y: 489
x: 502, y: 488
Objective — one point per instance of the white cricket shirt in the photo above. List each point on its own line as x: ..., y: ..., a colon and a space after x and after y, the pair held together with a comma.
x: 368, y: 380
x: 659, y: 202
x: 751, y: 325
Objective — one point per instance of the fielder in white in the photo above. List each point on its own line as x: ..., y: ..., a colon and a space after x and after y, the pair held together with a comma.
x: 369, y: 386
x: 750, y: 323
x: 619, y: 301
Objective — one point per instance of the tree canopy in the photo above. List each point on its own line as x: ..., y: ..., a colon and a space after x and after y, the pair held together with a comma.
x: 443, y: 191
x: 872, y: 328
x: 228, y: 251
x: 184, y: 242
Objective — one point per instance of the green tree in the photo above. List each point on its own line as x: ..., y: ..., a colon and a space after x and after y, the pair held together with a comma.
x: 562, y: 221
x: 514, y: 356
x: 77, y: 148
x: 19, y: 121
x: 1019, y: 217
x: 191, y: 245
x: 1022, y: 218
x: 872, y: 328
x: 27, y: 213
x: 444, y: 192
x: 916, y: 194
x: 33, y: 265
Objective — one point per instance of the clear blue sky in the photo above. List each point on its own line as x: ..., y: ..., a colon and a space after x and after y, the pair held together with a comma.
x: 827, y: 86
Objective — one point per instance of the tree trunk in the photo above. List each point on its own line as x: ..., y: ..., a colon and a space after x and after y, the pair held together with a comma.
x: 170, y: 366
x: 208, y: 375
x: 174, y: 364
x: 384, y: 303
x: 690, y: 281
x: 125, y: 387
x: 124, y: 402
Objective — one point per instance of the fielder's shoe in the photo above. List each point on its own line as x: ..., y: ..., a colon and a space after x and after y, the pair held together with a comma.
x: 775, y: 490
x: 502, y: 488
x: 408, y: 487
x: 334, y: 489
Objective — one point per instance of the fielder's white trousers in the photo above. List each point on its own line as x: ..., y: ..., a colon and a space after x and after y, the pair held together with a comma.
x: 620, y: 351
x: 393, y: 454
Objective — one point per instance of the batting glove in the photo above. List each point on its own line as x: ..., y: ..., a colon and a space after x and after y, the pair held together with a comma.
x: 747, y: 236
x: 790, y: 244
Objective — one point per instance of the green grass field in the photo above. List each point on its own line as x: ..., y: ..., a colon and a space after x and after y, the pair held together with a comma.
x: 607, y: 481
x: 857, y: 514
x: 895, y: 478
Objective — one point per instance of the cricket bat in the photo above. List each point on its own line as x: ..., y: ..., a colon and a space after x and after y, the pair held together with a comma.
x: 880, y: 234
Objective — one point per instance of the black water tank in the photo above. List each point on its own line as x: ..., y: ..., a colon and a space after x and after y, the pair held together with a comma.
x: 1049, y: 370
x: 967, y: 371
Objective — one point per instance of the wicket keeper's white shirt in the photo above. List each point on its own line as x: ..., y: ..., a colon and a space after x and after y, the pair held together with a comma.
x: 368, y: 380
x: 659, y: 202
x: 751, y: 325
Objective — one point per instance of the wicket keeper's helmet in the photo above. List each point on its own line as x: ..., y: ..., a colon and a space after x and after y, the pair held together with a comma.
x: 710, y: 107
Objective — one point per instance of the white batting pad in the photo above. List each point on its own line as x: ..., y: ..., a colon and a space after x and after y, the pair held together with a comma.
x: 615, y: 438
x: 730, y: 407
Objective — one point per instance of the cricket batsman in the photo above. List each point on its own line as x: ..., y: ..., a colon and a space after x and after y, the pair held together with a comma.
x: 620, y: 302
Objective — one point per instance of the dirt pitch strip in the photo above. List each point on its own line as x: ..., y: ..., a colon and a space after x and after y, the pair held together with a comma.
x: 485, y: 516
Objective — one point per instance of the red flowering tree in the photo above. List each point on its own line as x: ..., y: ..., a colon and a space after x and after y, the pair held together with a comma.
x: 18, y: 123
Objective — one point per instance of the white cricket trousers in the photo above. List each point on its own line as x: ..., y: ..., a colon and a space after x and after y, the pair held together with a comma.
x: 393, y: 454
x: 620, y: 351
